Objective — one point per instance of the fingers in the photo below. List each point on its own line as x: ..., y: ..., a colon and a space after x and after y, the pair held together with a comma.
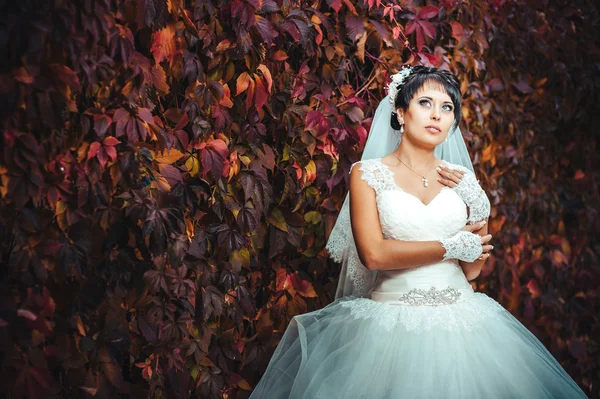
x: 474, y: 227
x: 486, y: 238
x: 483, y: 256
x: 487, y: 248
x: 449, y: 177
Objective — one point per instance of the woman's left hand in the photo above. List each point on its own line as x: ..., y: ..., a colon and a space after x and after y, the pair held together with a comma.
x: 449, y: 177
x: 465, y: 184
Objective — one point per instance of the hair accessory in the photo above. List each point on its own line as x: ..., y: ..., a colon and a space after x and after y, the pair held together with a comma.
x: 397, y: 80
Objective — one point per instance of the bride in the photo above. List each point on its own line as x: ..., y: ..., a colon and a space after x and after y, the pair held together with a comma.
x: 406, y: 322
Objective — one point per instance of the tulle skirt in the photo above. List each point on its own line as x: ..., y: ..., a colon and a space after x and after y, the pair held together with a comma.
x: 359, y: 348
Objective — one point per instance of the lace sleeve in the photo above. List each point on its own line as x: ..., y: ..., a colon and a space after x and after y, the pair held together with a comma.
x: 472, y: 194
x: 373, y: 174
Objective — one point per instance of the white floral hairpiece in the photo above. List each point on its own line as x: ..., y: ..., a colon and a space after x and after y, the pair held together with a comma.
x: 397, y: 80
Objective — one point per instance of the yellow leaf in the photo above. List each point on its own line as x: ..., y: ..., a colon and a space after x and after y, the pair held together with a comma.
x: 61, y: 207
x: 242, y: 83
x: 159, y: 78
x: 244, y: 385
x: 189, y: 228
x: 80, y: 326
x: 276, y: 219
x: 360, y: 50
x: 192, y: 165
x: 311, y: 171
x: 169, y: 157
x: 245, y: 160
x: 312, y: 217
x: 161, y: 183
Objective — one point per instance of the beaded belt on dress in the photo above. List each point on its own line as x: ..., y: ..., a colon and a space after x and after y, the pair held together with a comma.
x: 430, y: 297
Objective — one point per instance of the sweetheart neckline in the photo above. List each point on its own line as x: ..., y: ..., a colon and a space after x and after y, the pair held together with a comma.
x: 392, y: 174
x: 400, y: 190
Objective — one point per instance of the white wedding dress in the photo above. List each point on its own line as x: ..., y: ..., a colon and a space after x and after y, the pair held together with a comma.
x: 423, y: 333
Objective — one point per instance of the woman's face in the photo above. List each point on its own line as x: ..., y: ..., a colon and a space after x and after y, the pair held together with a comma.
x: 429, y: 116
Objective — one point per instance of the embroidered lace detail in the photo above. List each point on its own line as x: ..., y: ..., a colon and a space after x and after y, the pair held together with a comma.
x: 341, y: 237
x: 455, y: 317
x: 377, y: 176
x: 464, y: 245
x: 402, y: 216
x: 341, y: 244
x: 472, y: 194
x: 431, y: 297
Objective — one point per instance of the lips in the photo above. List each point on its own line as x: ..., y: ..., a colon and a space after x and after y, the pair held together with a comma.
x: 433, y: 128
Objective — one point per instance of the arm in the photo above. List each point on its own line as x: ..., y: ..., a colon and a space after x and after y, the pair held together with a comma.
x: 472, y: 269
x: 374, y: 251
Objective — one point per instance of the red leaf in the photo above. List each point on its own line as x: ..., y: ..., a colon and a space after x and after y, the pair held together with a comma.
x: 355, y: 27
x: 428, y: 28
x: 163, y: 44
x: 121, y: 118
x: 362, y: 135
x: 457, y: 30
x: 261, y: 94
x: 110, y: 141
x: 335, y: 4
x: 101, y: 123
x: 355, y: 114
x: 66, y: 75
x: 280, y: 55
x: 302, y: 286
x: 282, y: 281
x: 102, y: 157
x: 111, y: 152
x: 428, y: 12
x: 171, y: 173
x: 213, y: 158
x: 410, y: 27
x: 265, y: 29
x: 266, y: 76
x: 292, y: 29
x: 420, y: 36
x: 94, y: 148
x: 534, y: 288
x: 221, y: 147
x: 145, y: 115
x: 250, y: 95
x: 313, y: 118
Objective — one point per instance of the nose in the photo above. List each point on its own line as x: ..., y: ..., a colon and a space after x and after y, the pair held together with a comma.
x: 435, y: 114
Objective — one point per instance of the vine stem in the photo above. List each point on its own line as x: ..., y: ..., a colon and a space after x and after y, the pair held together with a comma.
x: 363, y: 88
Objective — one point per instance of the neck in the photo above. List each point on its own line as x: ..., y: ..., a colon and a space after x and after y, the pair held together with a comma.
x: 415, y: 157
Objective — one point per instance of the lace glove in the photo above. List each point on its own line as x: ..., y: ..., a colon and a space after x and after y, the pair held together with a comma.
x: 464, y: 245
x: 473, y: 195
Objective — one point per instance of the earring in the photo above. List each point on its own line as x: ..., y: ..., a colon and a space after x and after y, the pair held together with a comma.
x: 446, y: 139
x: 401, y: 128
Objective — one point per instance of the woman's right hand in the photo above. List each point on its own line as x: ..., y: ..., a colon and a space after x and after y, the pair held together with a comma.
x: 474, y: 228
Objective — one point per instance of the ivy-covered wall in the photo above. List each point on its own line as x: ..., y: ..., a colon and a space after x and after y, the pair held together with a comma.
x: 170, y: 171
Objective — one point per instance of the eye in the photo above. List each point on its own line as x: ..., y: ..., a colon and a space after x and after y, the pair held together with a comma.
x: 447, y: 107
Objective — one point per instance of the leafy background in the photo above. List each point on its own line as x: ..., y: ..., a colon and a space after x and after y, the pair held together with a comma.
x: 170, y: 171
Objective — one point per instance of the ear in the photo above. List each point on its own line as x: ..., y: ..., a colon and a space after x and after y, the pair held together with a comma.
x: 400, y: 115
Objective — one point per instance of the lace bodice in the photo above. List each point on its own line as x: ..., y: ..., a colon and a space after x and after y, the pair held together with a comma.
x: 404, y: 217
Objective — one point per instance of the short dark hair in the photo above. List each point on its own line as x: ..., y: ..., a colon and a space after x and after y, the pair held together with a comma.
x: 416, y: 80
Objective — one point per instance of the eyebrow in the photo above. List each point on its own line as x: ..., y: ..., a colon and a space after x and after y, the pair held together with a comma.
x: 429, y: 98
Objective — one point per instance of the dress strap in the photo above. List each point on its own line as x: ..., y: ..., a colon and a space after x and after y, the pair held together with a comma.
x: 376, y: 174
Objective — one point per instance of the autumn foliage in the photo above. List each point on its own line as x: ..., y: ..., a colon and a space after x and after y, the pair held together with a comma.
x: 170, y: 171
